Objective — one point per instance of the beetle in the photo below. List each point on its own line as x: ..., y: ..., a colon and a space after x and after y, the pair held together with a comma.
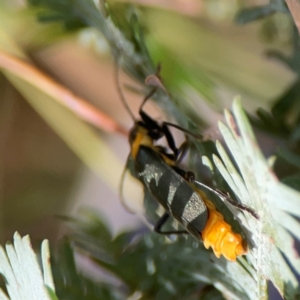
x: 175, y: 189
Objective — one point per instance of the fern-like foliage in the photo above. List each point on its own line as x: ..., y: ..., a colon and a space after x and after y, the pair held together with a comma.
x: 72, y: 284
x: 158, y: 268
x: 24, y: 279
x: 256, y: 185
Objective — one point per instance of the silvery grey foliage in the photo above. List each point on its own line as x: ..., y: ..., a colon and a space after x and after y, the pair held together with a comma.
x: 255, y: 184
x: 24, y: 278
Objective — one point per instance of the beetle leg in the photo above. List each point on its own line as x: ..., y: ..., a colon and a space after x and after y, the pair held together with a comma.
x: 162, y: 221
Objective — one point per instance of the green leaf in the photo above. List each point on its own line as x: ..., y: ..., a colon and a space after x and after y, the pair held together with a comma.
x: 292, y: 181
x: 162, y: 268
x: 71, y: 284
x: 289, y: 157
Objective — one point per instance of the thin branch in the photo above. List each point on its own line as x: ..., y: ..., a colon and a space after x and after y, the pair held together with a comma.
x: 61, y: 94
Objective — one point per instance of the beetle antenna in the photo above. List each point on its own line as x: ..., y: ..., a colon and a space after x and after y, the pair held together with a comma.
x: 225, y: 197
x: 121, y: 94
x: 194, y: 135
x: 147, y: 97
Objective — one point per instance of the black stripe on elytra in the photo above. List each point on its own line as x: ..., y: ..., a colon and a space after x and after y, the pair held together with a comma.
x: 198, y: 224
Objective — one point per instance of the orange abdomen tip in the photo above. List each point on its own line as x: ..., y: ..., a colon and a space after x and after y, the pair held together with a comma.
x: 218, y: 235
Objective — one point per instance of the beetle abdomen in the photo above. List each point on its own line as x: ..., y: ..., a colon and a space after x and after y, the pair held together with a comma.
x: 218, y: 235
